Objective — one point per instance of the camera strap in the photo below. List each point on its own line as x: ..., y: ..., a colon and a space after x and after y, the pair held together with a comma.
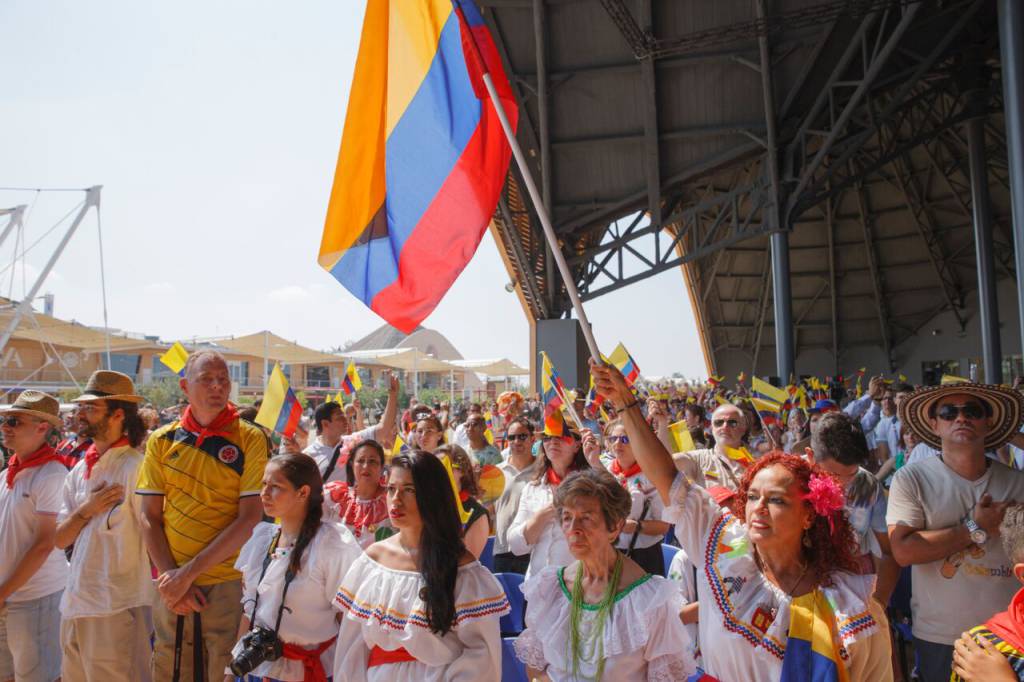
x: 198, y: 667
x: 636, y: 534
x: 289, y: 576
x: 334, y: 461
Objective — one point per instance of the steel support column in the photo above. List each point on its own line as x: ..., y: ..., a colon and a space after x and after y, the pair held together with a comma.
x: 781, y: 295
x: 986, y: 264
x: 1011, y: 50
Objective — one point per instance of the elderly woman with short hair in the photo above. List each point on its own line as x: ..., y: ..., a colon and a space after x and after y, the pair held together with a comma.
x: 602, y: 617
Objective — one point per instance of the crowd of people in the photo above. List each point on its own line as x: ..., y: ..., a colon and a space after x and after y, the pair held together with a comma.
x: 209, y: 548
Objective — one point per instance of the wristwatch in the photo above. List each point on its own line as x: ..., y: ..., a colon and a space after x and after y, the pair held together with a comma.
x: 978, y: 534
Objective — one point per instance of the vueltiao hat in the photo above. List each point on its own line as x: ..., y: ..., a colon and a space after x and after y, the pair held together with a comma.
x: 1007, y: 410
x: 105, y: 384
x: 35, y: 404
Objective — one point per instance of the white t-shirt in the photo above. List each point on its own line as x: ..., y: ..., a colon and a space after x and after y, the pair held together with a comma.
x: 310, y: 595
x: 966, y: 588
x: 322, y: 453
x: 110, y: 567
x: 36, y: 492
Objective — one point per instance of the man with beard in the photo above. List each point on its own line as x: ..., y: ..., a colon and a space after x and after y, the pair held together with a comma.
x: 105, y: 609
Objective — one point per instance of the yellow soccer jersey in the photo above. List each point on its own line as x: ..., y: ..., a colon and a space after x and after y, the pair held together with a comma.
x: 201, y: 487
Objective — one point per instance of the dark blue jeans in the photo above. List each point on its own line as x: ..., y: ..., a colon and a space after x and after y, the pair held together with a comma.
x: 934, y: 661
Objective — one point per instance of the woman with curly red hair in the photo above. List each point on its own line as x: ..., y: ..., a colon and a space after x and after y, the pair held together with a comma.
x: 780, y: 563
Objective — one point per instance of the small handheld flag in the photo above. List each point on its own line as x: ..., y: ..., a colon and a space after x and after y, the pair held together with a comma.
x: 767, y: 410
x: 765, y: 391
x: 951, y: 379
x: 681, y: 436
x: 280, y: 410
x: 551, y: 397
x: 175, y: 358
x: 625, y: 363
x: 351, y: 382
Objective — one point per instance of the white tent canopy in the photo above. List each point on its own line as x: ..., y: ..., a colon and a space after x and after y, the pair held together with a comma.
x: 409, y: 359
x: 502, y: 367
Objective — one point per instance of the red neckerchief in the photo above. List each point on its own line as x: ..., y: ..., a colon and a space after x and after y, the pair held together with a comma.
x: 92, y: 455
x: 215, y: 428
x: 624, y: 476
x: 313, y: 669
x: 553, y: 478
x: 463, y: 495
x: 1009, y: 624
x: 36, y: 459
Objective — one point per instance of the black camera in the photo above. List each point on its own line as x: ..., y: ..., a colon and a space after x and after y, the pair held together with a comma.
x: 258, y: 645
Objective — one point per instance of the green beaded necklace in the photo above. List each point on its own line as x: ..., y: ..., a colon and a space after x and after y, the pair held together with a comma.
x: 595, y: 640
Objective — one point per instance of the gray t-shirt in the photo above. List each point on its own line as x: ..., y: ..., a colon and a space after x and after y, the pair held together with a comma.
x: 954, y: 594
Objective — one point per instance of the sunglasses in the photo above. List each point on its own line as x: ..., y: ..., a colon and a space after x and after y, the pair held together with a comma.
x: 521, y: 437
x: 731, y: 423
x: 948, y: 413
x: 619, y: 439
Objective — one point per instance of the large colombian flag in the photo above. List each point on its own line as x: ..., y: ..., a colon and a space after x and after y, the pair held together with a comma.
x: 423, y: 157
x: 812, y: 648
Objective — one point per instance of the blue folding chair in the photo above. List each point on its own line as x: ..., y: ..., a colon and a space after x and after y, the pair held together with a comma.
x: 487, y: 556
x: 512, y: 624
x: 512, y: 669
x: 668, y: 552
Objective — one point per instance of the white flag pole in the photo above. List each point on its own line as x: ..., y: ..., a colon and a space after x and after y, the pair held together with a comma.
x: 538, y: 203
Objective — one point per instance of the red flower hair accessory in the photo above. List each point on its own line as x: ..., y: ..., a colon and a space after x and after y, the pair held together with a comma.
x: 826, y: 497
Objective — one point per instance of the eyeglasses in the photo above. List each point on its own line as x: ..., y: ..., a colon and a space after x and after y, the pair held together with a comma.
x: 731, y: 423
x: 619, y: 439
x: 521, y: 437
x: 948, y: 413
x: 87, y: 407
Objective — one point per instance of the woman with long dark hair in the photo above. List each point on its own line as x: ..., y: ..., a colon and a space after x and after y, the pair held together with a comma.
x: 777, y: 581
x: 534, y: 529
x: 418, y: 607
x: 359, y: 501
x: 315, y: 553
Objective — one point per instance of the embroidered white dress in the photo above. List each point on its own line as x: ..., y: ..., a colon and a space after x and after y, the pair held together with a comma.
x: 309, y: 618
x: 744, y: 619
x: 381, y: 607
x: 643, y: 638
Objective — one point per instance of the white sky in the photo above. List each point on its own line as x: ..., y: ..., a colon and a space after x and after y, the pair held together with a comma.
x: 214, y: 128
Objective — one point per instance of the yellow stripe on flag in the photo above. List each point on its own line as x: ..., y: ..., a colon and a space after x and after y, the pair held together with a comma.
x: 768, y: 391
x: 952, y: 379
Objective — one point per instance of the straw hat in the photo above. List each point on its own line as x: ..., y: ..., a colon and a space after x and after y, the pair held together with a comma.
x: 105, y: 384
x: 35, y: 404
x: 1007, y: 410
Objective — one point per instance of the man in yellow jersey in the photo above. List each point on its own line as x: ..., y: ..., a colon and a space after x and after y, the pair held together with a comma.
x: 200, y: 482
